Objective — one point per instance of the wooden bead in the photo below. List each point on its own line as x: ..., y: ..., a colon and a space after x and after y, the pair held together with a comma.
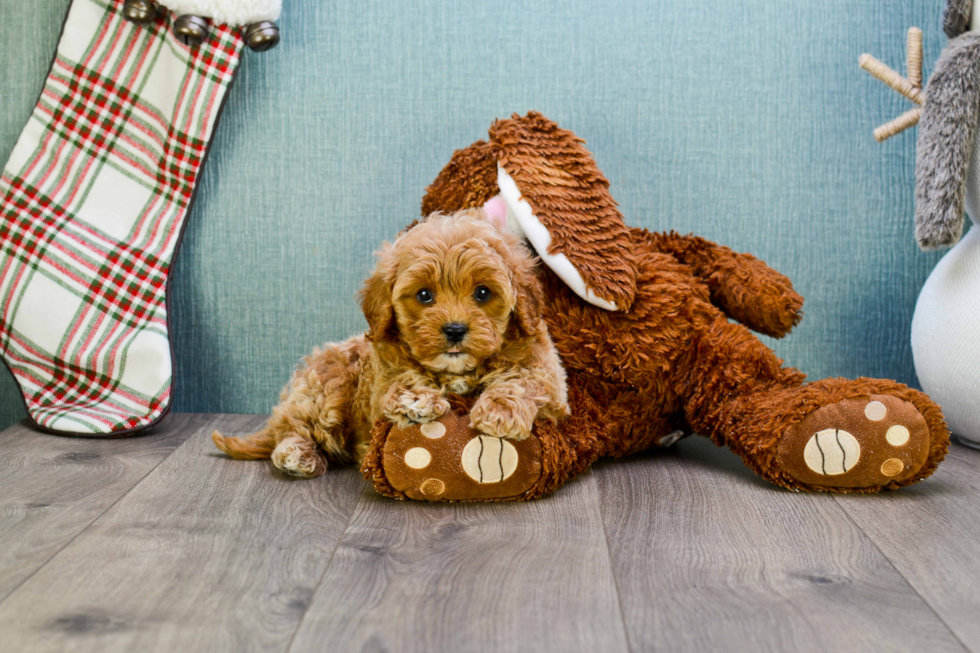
x: 191, y: 30
x: 262, y: 36
x: 140, y: 11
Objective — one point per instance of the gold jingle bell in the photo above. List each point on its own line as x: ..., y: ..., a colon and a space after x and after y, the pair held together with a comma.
x: 140, y: 11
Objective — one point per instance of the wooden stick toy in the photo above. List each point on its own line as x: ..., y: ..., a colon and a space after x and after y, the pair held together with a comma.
x: 910, y: 87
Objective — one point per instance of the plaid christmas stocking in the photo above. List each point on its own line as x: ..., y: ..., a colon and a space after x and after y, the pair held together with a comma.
x: 92, y: 206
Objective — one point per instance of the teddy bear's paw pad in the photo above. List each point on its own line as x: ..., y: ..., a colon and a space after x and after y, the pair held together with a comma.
x: 447, y: 460
x: 831, y: 452
x: 860, y: 442
x: 489, y: 460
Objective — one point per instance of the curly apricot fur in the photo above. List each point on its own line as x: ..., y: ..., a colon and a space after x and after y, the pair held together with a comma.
x: 405, y: 366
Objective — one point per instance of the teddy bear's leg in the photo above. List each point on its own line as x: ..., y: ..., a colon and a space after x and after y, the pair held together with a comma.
x: 835, y: 434
x: 448, y: 460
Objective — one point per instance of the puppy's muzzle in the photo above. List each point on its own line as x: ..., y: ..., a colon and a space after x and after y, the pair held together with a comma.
x: 455, y: 332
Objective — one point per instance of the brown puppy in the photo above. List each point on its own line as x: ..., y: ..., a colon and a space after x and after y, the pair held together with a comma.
x: 453, y: 306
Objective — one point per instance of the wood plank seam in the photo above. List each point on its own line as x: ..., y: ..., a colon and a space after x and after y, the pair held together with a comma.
x: 120, y: 580
x: 54, y: 555
x: 430, y: 577
x: 326, y: 567
x: 615, y: 579
x: 725, y: 546
x: 898, y: 571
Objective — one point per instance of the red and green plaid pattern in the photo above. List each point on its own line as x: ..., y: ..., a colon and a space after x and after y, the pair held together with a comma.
x: 92, y: 203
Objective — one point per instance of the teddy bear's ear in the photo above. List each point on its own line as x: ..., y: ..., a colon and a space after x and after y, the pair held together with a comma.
x: 956, y: 17
x: 560, y: 198
x: 468, y: 181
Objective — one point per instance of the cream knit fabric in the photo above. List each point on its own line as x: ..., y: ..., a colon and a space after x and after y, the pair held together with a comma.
x: 946, y: 325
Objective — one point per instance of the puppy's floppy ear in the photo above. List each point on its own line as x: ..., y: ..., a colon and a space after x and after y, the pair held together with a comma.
x: 376, y: 298
x: 529, y: 293
x: 527, y: 310
x: 520, y: 263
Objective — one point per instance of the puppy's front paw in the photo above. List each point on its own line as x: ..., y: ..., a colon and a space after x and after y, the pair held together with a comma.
x: 503, y: 417
x: 406, y: 406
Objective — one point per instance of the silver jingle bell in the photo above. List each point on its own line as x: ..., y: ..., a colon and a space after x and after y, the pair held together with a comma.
x: 191, y: 30
x: 262, y: 36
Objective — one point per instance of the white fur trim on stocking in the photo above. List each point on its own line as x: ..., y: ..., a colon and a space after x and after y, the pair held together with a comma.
x: 230, y: 12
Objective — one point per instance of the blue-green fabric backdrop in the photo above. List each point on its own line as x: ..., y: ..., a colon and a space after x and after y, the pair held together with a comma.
x: 747, y: 122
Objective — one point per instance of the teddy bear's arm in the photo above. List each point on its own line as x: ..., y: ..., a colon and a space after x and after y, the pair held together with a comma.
x: 744, y: 287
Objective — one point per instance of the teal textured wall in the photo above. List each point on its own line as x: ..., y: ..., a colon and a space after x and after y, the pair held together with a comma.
x: 747, y: 122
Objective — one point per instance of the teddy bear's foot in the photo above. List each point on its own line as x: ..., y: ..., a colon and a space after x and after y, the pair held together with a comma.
x: 859, y: 443
x: 447, y: 460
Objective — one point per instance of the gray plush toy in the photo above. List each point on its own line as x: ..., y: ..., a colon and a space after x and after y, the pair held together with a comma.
x: 945, y: 179
x: 946, y: 323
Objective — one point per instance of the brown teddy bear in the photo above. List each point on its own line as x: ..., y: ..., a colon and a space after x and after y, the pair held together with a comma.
x: 641, y: 323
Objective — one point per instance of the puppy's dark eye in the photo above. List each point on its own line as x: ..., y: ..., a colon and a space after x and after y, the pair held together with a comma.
x: 481, y: 294
x: 424, y: 296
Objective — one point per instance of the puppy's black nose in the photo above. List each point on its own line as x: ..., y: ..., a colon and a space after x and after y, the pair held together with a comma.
x: 455, y: 332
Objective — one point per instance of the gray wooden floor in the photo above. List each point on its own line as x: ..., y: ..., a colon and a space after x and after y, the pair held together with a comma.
x: 158, y: 543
